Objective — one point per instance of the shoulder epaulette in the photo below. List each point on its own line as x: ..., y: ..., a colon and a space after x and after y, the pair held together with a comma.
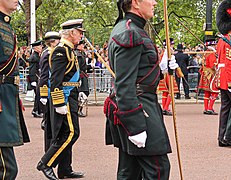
x: 128, y: 38
x: 65, y: 52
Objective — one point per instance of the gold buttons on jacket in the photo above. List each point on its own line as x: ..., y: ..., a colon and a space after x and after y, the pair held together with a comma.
x: 7, y: 19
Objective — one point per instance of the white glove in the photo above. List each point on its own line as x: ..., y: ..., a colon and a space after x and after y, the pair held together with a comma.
x: 229, y: 89
x: 43, y: 101
x: 61, y: 110
x: 220, y: 65
x: 82, y: 96
x: 211, y: 48
x: 139, y: 140
x: 33, y: 84
x: 172, y: 63
x: 164, y: 63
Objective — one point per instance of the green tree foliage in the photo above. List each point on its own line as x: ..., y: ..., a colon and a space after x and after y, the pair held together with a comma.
x: 100, y: 15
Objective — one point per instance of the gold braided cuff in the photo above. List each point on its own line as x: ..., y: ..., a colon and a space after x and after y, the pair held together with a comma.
x: 44, y: 91
x: 57, y: 96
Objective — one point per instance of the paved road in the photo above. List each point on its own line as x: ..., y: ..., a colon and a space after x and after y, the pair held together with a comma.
x: 201, y: 157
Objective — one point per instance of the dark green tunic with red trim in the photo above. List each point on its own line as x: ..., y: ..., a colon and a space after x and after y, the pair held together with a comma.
x: 13, y: 131
x: 134, y: 59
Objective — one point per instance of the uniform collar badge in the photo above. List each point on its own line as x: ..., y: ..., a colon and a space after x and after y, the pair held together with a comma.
x: 59, y: 54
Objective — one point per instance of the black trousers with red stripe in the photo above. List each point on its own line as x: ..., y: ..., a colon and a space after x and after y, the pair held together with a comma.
x: 225, y: 117
x: 60, y: 150
x: 8, y: 165
x: 142, y: 167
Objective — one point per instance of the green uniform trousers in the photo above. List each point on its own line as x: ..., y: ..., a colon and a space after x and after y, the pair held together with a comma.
x: 143, y: 167
x: 8, y: 165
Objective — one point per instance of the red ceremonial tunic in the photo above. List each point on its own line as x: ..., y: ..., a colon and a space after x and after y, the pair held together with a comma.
x: 223, y: 78
x: 207, y: 73
x: 164, y: 84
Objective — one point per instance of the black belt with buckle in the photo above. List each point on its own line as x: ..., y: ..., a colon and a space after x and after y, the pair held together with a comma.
x: 9, y: 79
x: 142, y: 88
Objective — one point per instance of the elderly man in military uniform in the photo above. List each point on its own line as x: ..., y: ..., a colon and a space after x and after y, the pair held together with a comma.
x: 51, y: 38
x: 64, y: 99
x: 13, y: 130
x: 135, y: 125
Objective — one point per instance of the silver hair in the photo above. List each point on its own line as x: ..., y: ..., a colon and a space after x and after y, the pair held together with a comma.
x: 65, y: 32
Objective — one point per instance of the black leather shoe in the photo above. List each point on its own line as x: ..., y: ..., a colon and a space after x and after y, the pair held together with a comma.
x: 212, y: 112
x: 43, y: 125
x: 177, y: 97
x: 206, y: 112
x: 47, y: 171
x: 36, y: 114
x: 81, y: 114
x: 73, y: 174
x: 223, y: 143
x: 187, y: 97
x: 167, y: 113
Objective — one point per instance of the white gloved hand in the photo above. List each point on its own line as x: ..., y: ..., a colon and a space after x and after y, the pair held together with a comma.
x: 164, y: 63
x: 220, y: 65
x: 229, y: 89
x: 43, y: 101
x: 82, y: 96
x: 61, y: 110
x: 172, y: 63
x: 33, y: 84
x: 139, y: 140
x: 211, y: 48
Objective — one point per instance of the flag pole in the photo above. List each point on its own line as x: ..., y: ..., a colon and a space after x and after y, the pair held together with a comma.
x: 172, y: 86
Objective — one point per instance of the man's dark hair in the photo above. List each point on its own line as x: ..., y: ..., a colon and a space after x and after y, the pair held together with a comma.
x: 123, y: 6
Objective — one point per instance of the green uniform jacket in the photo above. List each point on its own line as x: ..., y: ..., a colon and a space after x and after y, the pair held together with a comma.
x: 134, y: 59
x: 13, y: 130
x: 83, y: 76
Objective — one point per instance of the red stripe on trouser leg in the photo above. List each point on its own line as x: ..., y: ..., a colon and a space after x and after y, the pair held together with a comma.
x: 164, y: 98
x: 206, y: 100
x: 158, y: 169
x: 168, y: 101
x: 212, y: 100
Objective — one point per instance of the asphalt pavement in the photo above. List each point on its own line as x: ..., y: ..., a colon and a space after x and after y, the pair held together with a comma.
x: 201, y: 158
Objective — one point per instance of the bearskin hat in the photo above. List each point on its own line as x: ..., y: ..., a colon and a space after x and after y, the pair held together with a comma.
x: 223, y: 17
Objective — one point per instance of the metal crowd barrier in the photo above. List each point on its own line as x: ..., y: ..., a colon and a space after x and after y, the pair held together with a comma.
x: 193, y: 77
x: 100, y: 80
x: 23, y: 79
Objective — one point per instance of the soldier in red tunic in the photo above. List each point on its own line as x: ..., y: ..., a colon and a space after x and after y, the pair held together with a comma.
x: 206, y: 81
x: 165, y: 84
x: 223, y: 80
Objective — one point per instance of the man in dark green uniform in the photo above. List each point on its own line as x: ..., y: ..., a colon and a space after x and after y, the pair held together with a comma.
x: 13, y: 130
x: 64, y: 100
x: 136, y: 125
